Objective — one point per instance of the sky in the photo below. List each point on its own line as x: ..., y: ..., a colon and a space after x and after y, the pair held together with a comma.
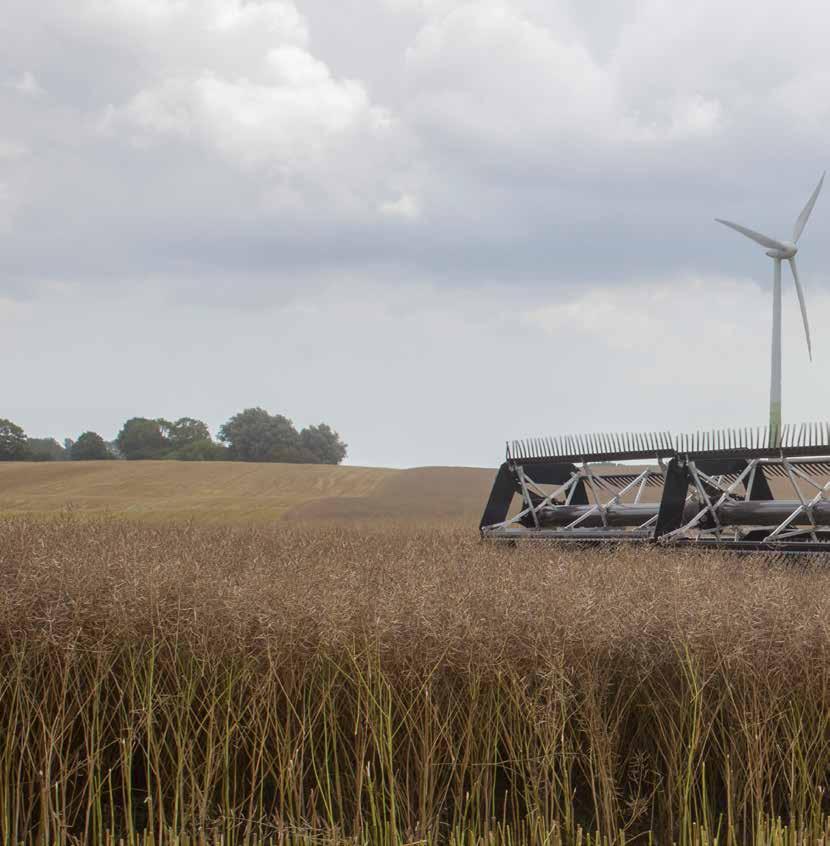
x: 434, y: 225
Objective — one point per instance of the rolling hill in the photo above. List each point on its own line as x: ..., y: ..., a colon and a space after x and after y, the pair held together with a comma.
x: 218, y: 492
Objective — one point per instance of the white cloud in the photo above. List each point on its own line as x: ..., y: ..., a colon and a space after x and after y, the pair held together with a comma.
x: 233, y: 23
x: 12, y: 150
x: 406, y: 206
x: 492, y: 73
x: 27, y: 85
x: 278, y: 108
x: 294, y: 118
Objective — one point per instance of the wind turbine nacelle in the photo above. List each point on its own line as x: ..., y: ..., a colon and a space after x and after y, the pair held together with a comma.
x: 788, y: 252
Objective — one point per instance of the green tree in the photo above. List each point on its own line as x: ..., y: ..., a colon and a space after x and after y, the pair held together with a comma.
x: 202, y: 450
x: 44, y: 449
x: 12, y: 441
x: 256, y: 435
x: 323, y: 444
x: 90, y: 446
x: 186, y: 431
x: 141, y: 439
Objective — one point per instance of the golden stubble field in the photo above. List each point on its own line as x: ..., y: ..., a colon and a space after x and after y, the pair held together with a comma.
x: 291, y: 682
x: 225, y: 493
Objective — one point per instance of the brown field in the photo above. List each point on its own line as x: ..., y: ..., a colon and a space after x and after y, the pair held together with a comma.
x: 297, y: 684
x: 231, y: 492
x: 317, y: 655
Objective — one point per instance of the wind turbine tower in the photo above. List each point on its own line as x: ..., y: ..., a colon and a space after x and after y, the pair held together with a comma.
x: 778, y: 251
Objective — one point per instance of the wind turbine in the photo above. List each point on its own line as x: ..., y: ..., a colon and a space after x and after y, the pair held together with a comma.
x: 778, y: 251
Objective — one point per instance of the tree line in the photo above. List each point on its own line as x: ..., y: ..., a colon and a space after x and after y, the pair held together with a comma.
x: 250, y: 435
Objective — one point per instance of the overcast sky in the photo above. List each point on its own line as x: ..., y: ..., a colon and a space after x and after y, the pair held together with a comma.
x: 436, y: 225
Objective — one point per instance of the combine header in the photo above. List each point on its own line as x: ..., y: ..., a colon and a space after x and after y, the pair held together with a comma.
x: 748, y: 489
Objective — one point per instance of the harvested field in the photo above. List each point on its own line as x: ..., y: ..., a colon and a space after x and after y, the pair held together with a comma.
x: 333, y: 686
x: 231, y: 492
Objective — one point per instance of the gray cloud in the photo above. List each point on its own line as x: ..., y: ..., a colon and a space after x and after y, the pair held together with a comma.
x: 391, y: 157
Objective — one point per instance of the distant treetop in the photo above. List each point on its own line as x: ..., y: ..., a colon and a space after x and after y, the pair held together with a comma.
x: 251, y: 435
x: 90, y: 446
x: 256, y: 435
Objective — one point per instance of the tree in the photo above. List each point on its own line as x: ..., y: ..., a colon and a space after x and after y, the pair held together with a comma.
x: 44, y: 449
x: 186, y: 431
x: 141, y: 438
x: 256, y: 435
x: 323, y: 444
x: 202, y: 450
x: 12, y: 441
x: 89, y: 447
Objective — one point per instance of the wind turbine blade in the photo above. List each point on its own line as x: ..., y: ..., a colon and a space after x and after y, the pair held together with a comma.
x: 805, y: 214
x: 801, y: 302
x: 757, y: 237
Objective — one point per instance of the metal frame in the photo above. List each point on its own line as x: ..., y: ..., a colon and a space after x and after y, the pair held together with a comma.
x: 714, y: 489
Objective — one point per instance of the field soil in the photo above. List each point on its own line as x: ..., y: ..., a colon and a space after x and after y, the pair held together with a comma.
x: 235, y: 492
